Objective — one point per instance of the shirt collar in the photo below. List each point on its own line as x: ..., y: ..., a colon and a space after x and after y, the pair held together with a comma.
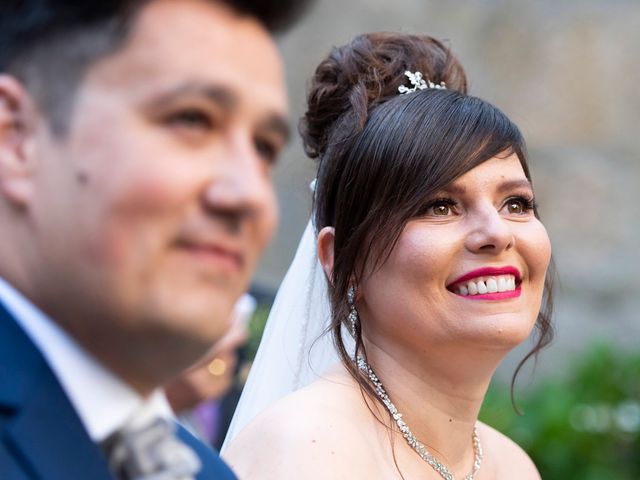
x: 102, y: 400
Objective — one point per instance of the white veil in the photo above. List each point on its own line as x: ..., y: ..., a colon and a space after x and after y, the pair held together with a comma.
x: 293, y: 351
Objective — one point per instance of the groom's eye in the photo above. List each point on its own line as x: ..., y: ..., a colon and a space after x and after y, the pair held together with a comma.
x: 267, y: 150
x: 190, y: 119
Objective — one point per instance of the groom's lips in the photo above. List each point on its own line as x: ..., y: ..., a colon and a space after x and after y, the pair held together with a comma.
x: 218, y: 253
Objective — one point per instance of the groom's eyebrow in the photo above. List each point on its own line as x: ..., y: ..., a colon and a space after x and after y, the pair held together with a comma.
x: 275, y: 122
x: 212, y: 93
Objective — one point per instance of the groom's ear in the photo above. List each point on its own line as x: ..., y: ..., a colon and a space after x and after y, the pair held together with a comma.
x: 326, y: 239
x: 16, y: 159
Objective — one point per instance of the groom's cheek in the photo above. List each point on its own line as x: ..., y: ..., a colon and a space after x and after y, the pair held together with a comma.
x: 273, y: 221
x: 261, y: 231
x: 270, y: 221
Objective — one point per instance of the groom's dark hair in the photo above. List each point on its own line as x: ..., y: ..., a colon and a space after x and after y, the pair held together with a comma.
x: 49, y: 44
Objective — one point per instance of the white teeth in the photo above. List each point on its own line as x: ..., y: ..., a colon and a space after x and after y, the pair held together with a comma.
x: 482, y: 285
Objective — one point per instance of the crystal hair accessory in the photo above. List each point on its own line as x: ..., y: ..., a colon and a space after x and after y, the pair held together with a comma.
x: 419, y: 83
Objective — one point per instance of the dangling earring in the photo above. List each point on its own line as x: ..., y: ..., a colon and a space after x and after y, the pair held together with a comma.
x: 353, y: 313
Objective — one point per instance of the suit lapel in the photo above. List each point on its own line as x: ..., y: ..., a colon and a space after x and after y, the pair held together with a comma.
x: 212, y: 465
x: 43, y: 431
x: 40, y: 429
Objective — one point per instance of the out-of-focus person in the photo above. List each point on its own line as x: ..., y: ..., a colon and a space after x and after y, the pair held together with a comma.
x: 136, y: 142
x: 197, y: 396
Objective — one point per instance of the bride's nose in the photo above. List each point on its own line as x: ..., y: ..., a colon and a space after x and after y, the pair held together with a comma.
x: 489, y: 232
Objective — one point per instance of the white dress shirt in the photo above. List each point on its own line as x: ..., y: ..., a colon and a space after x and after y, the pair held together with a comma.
x: 103, y: 401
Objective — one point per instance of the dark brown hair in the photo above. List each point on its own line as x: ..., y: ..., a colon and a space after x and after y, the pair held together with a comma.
x: 381, y: 155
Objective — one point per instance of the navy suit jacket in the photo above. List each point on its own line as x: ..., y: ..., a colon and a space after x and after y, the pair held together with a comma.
x: 41, y: 435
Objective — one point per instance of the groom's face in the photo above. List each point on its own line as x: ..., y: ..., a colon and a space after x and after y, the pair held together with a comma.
x: 153, y: 209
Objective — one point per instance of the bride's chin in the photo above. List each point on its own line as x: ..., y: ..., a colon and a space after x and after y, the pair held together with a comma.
x: 497, y: 334
x: 500, y: 337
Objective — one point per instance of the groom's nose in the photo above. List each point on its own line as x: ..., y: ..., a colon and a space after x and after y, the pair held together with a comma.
x: 242, y: 192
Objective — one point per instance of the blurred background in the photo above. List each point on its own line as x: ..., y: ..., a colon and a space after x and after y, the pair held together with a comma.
x: 568, y: 73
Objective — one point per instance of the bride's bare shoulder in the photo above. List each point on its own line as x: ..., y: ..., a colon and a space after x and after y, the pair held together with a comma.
x: 507, y: 456
x: 312, y: 432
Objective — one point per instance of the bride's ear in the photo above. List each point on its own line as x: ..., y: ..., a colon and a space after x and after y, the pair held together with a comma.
x: 326, y: 239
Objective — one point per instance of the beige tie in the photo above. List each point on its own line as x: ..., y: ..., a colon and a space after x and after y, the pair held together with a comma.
x: 150, y: 452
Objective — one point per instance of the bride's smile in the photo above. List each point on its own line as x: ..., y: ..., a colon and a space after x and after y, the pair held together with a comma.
x: 488, y: 284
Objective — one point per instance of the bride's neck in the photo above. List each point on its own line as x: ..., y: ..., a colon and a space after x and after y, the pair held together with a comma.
x: 439, y: 395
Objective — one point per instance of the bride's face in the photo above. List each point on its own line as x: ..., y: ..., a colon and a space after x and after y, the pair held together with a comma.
x: 469, y: 271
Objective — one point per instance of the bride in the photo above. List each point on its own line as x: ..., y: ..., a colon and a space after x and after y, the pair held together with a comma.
x: 435, y: 261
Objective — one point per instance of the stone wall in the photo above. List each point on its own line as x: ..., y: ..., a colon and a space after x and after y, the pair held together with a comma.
x: 569, y: 74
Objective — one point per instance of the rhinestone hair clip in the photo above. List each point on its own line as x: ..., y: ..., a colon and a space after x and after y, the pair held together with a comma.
x: 419, y: 83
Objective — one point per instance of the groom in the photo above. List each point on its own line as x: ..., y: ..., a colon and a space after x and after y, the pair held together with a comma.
x: 136, y: 142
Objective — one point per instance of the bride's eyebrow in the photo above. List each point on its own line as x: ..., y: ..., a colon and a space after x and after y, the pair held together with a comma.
x: 453, y: 189
x: 511, y: 185
x: 505, y: 186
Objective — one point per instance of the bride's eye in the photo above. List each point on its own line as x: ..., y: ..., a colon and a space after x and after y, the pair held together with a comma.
x: 519, y: 205
x: 441, y: 210
x: 440, y: 207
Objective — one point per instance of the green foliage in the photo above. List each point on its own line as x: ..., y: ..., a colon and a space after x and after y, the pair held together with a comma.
x: 256, y: 327
x: 581, y: 424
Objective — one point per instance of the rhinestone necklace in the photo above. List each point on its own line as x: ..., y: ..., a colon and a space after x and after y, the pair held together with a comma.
x: 410, y: 437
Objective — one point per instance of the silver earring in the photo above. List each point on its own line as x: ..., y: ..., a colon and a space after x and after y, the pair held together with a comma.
x: 353, y: 313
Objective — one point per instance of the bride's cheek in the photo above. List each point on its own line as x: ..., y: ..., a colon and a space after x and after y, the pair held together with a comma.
x: 536, y: 249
